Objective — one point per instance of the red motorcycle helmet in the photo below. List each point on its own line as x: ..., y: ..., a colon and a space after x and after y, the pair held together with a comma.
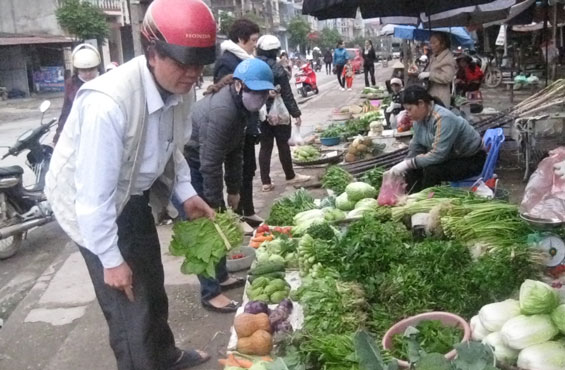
x: 184, y: 30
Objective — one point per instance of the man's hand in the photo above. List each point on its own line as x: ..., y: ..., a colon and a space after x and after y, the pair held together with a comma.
x: 233, y: 201
x: 121, y: 278
x: 195, y: 207
x: 298, y: 121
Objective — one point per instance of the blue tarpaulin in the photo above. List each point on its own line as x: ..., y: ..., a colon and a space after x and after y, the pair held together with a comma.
x: 459, y: 35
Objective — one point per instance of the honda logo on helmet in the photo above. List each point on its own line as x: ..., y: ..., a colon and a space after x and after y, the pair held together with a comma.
x: 198, y: 36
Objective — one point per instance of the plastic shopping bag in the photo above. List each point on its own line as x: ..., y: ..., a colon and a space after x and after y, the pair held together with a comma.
x: 296, y: 138
x: 278, y: 115
x: 392, y: 188
x: 544, y: 197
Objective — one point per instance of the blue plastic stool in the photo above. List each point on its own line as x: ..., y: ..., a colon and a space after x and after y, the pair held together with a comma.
x: 492, y: 141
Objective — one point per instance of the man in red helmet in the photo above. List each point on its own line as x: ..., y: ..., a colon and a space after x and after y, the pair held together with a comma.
x: 118, y: 158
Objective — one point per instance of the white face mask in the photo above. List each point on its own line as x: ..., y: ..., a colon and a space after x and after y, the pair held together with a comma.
x: 87, y: 75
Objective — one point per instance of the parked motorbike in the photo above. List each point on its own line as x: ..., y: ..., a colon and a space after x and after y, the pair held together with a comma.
x: 23, y: 208
x: 305, y: 80
x: 493, y: 74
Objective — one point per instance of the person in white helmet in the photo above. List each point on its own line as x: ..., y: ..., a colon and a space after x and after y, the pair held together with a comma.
x: 85, y: 60
x: 119, y: 158
x: 268, y: 47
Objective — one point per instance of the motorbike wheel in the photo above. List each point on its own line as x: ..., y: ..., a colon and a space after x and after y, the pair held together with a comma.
x: 316, y: 91
x: 303, y: 92
x: 493, y: 77
x: 10, y: 245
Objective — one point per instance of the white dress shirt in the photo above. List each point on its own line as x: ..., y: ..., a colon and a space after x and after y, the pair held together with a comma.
x: 99, y: 159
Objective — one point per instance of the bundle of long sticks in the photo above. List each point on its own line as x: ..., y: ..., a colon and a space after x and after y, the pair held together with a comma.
x: 551, y: 96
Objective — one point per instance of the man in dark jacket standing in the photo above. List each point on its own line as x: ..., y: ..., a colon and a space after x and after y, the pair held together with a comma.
x: 240, y: 46
x: 369, y: 58
x: 268, y: 47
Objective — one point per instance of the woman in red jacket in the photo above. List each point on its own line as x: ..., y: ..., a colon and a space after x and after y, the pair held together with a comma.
x: 469, y: 75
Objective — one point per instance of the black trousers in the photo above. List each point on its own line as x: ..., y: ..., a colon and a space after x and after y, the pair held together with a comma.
x: 281, y: 134
x: 369, y: 70
x: 452, y: 170
x: 140, y: 335
x: 246, y: 206
x: 328, y: 68
x: 339, y: 72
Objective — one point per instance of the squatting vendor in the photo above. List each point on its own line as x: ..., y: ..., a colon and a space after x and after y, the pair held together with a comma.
x: 445, y: 147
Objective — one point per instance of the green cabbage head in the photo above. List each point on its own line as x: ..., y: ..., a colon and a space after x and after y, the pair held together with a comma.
x: 359, y: 190
x: 537, y: 297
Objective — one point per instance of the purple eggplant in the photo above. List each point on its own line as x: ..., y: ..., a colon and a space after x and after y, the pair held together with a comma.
x: 255, y: 307
x: 286, y: 303
x: 283, y: 327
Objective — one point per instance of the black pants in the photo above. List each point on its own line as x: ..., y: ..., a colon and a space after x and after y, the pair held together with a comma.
x: 281, y: 134
x: 246, y: 207
x: 452, y: 170
x: 139, y: 331
x: 369, y: 70
x: 328, y: 68
x: 339, y: 72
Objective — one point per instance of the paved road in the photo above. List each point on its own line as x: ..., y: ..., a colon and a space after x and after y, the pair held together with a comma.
x: 50, y: 317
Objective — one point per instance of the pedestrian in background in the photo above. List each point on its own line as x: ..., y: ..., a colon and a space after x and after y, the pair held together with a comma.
x: 85, y: 59
x: 120, y: 157
x: 440, y: 72
x: 328, y: 61
x: 241, y: 45
x: 369, y: 58
x: 214, y: 154
x: 340, y: 58
x: 348, y: 74
x: 285, y: 62
x: 268, y: 47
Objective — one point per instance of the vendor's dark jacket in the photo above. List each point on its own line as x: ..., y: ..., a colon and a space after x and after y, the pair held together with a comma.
x: 218, y: 129
x: 369, y: 57
x: 224, y: 66
x: 442, y: 136
x: 281, y: 79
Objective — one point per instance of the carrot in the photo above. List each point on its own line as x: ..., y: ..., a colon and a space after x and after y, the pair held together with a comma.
x: 255, y: 244
x: 259, y: 239
x: 242, y: 362
x: 267, y: 359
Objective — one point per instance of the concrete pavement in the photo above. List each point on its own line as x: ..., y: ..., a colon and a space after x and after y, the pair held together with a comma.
x: 51, y: 317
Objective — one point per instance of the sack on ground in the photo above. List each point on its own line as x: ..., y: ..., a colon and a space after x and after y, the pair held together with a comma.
x: 278, y: 115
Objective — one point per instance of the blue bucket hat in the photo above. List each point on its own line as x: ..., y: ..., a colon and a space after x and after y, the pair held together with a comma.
x: 255, y: 74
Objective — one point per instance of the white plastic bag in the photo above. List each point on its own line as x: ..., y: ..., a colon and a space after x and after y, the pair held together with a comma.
x: 296, y: 138
x: 278, y: 115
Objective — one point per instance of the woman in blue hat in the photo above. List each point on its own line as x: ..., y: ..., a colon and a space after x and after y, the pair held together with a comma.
x: 219, y: 121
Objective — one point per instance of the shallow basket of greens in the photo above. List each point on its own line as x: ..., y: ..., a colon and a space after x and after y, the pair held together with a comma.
x: 435, y: 332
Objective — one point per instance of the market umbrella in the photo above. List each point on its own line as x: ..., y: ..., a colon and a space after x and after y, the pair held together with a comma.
x: 410, y: 11
x: 457, y: 34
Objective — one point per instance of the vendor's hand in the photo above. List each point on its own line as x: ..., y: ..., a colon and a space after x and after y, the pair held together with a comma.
x: 121, y: 278
x: 424, y: 75
x: 233, y: 200
x: 195, y: 207
x: 272, y: 93
x: 298, y: 121
x: 559, y: 169
x: 399, y: 169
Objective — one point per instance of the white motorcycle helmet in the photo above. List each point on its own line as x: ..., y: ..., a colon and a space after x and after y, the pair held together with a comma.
x: 268, y: 42
x: 85, y: 56
x: 423, y: 59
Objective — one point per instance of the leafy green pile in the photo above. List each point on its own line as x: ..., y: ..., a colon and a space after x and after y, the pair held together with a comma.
x: 333, y: 130
x: 336, y: 179
x: 331, y: 306
x: 431, y: 335
x: 322, y: 231
x: 283, y: 211
x: 374, y: 177
x: 201, y: 243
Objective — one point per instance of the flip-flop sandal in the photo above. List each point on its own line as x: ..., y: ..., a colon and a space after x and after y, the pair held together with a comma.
x: 188, y: 359
x: 238, y: 282
x: 231, y: 307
